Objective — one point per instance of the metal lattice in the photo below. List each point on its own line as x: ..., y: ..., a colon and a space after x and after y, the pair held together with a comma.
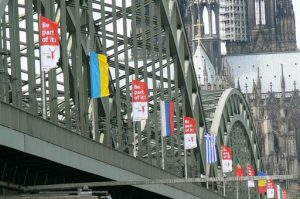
x: 142, y: 41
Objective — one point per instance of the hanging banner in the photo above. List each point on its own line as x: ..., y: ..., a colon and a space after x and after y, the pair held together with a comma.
x: 250, y: 172
x: 285, y: 194
x: 139, y: 100
x: 167, y: 118
x: 239, y: 170
x: 279, y: 192
x: 262, y: 184
x: 226, y: 159
x: 190, y: 133
x: 210, y: 148
x: 270, y: 189
x: 49, y: 44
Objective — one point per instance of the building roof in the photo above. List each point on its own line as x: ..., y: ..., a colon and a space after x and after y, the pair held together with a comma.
x: 200, y: 59
x: 245, y: 68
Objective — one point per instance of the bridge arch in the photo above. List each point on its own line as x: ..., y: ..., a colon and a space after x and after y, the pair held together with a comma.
x: 233, y: 125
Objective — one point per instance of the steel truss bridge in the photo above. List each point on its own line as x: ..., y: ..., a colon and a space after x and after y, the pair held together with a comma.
x: 83, y: 140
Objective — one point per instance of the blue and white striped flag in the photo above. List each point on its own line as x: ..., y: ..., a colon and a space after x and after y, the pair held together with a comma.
x: 211, y: 153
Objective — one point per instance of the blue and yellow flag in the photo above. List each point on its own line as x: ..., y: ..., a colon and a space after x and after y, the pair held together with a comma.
x: 99, y: 74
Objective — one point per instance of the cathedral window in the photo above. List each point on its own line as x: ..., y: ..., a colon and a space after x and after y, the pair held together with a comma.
x: 260, y: 12
x: 263, y: 11
x: 257, y: 12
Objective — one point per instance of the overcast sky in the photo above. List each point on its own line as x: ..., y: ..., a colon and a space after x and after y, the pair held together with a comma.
x: 297, y: 16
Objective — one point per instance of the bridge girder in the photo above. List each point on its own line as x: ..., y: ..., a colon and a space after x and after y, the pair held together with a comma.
x: 144, y: 39
x: 231, y: 121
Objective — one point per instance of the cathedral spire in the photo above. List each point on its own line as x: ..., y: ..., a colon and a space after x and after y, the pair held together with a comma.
x: 205, y: 75
x: 254, y: 88
x: 282, y: 80
x: 238, y: 84
x: 247, y: 96
x: 258, y: 82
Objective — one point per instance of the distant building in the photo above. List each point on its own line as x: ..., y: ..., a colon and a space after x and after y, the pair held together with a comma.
x: 258, y: 26
x: 233, y: 20
x: 261, y: 61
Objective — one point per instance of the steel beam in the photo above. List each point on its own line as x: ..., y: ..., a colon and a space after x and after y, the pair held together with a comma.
x: 3, y: 4
x: 159, y: 181
x: 59, y: 145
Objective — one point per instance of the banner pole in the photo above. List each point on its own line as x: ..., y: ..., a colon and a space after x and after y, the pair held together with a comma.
x: 134, y: 141
x: 44, y: 108
x: 207, y: 173
x: 162, y: 151
x: 44, y: 94
x: 185, y: 163
x: 185, y: 158
x: 249, y: 193
x: 224, y: 187
x: 237, y: 190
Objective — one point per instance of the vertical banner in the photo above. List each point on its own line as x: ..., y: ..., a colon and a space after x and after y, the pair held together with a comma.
x: 210, y: 148
x: 262, y: 184
x: 285, y: 194
x: 239, y: 170
x: 167, y: 118
x: 226, y: 159
x: 270, y: 189
x: 139, y: 100
x: 99, y: 75
x: 279, y: 194
x: 49, y: 44
x: 190, y: 133
x: 250, y: 172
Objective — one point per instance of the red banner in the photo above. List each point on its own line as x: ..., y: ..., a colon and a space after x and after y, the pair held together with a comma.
x: 239, y: 171
x: 139, y: 91
x: 190, y: 125
x: 139, y: 100
x: 226, y: 159
x: 285, y: 194
x: 270, y: 184
x: 49, y: 44
x: 250, y: 170
x: 226, y: 153
x: 190, y: 133
x: 48, y: 32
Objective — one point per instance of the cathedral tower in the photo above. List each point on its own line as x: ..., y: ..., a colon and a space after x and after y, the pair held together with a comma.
x: 270, y: 27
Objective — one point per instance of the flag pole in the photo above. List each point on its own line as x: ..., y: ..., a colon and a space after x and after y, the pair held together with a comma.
x: 44, y: 94
x: 185, y: 163
x: 134, y: 141
x: 237, y: 190
x: 133, y: 123
x: 162, y: 151
x: 207, y: 174
x: 249, y: 193
x: 224, y: 186
x: 44, y: 108
x: 185, y: 158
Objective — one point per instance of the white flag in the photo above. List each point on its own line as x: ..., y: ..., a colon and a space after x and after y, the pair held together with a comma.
x: 210, y: 148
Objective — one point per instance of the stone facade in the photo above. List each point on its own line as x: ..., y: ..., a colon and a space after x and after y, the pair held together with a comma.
x: 277, y: 119
x: 271, y: 28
